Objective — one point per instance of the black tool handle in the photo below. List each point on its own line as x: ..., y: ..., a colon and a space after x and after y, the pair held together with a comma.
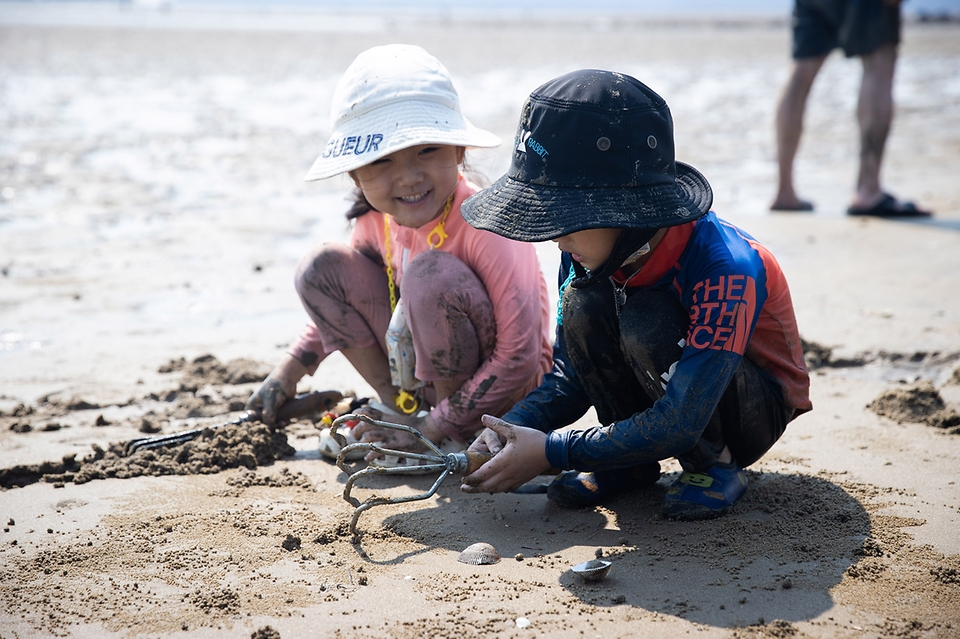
x: 299, y: 406
x: 308, y: 403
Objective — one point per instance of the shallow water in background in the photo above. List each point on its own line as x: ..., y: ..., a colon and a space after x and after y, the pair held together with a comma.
x: 151, y: 194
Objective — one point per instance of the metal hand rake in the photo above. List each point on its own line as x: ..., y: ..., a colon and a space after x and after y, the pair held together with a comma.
x: 460, y: 463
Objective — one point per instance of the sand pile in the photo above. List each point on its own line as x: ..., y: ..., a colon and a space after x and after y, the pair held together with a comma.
x: 199, y: 393
x: 917, y: 404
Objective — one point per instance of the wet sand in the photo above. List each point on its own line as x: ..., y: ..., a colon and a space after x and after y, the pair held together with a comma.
x: 152, y: 214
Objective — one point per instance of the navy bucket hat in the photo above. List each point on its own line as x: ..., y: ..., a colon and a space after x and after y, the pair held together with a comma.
x: 594, y: 149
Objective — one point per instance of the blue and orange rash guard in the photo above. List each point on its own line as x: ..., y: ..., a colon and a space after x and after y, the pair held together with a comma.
x: 739, y: 306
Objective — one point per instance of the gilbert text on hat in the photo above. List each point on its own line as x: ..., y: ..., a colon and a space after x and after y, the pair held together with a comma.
x: 594, y: 149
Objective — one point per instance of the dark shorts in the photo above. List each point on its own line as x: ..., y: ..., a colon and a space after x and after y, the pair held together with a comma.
x: 858, y: 27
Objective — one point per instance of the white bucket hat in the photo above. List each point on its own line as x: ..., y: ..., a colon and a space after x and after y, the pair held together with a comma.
x: 393, y: 97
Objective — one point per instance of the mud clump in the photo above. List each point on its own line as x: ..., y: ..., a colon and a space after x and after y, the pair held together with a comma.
x: 20, y: 410
x: 201, y: 394
x: 815, y: 355
x: 208, y: 370
x: 946, y: 574
x: 918, y: 404
x: 25, y: 474
x: 75, y: 403
x: 339, y: 530
x: 291, y: 543
x: 267, y: 632
x: 231, y: 446
x: 285, y: 479
x: 225, y: 601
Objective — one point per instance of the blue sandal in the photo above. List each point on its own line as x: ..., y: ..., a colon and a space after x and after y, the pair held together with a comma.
x: 705, y: 495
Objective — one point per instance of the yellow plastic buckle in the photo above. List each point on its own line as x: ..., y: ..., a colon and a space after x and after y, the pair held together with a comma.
x: 437, y: 233
x: 407, y: 402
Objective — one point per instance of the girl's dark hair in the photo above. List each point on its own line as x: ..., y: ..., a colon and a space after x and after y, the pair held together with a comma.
x: 361, y: 206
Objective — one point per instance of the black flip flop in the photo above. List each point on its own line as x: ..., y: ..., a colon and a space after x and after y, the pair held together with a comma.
x: 803, y: 207
x: 890, y: 207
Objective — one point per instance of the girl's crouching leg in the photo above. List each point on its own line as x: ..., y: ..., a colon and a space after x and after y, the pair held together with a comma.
x: 346, y: 295
x: 451, y: 319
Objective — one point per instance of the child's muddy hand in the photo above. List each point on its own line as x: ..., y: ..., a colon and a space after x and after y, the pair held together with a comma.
x: 522, y: 458
x: 488, y: 441
x: 268, y: 399
x: 279, y: 386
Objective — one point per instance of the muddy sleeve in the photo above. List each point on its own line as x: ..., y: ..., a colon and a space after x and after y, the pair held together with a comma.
x: 669, y: 428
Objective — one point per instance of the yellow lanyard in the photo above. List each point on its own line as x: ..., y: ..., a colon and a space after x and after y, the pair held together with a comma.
x: 438, y: 232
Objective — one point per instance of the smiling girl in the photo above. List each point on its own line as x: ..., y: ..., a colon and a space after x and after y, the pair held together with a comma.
x: 475, y: 303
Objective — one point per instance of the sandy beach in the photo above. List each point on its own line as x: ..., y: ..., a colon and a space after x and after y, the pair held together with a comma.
x: 152, y: 212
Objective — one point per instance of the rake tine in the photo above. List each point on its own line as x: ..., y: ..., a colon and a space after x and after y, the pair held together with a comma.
x: 372, y: 447
x: 380, y: 501
x: 382, y: 424
x: 376, y: 470
x: 447, y: 463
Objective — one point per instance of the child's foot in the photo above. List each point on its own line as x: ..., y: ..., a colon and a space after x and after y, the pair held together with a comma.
x: 705, y: 495
x: 329, y: 446
x: 574, y: 489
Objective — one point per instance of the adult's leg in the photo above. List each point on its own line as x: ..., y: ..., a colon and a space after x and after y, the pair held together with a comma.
x: 872, y: 32
x: 789, y: 127
x: 874, y: 116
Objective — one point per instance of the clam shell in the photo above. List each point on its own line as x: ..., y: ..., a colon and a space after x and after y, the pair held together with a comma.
x: 593, y: 570
x: 479, y: 554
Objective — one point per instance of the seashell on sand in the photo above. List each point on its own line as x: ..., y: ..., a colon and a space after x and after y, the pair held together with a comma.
x: 479, y: 554
x: 593, y: 570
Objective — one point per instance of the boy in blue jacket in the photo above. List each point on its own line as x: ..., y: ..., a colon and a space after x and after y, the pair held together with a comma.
x: 677, y: 327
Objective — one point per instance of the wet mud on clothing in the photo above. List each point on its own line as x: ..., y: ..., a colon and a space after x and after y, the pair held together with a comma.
x: 485, y: 316
x: 626, y: 376
x: 727, y: 360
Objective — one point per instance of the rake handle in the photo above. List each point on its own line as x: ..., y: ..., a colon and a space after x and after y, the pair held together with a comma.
x: 475, y: 460
x: 307, y: 404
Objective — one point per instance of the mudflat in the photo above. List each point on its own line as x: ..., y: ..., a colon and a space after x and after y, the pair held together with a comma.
x: 152, y: 213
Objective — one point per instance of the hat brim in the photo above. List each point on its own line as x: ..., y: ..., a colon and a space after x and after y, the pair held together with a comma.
x: 535, y: 213
x: 402, y: 124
